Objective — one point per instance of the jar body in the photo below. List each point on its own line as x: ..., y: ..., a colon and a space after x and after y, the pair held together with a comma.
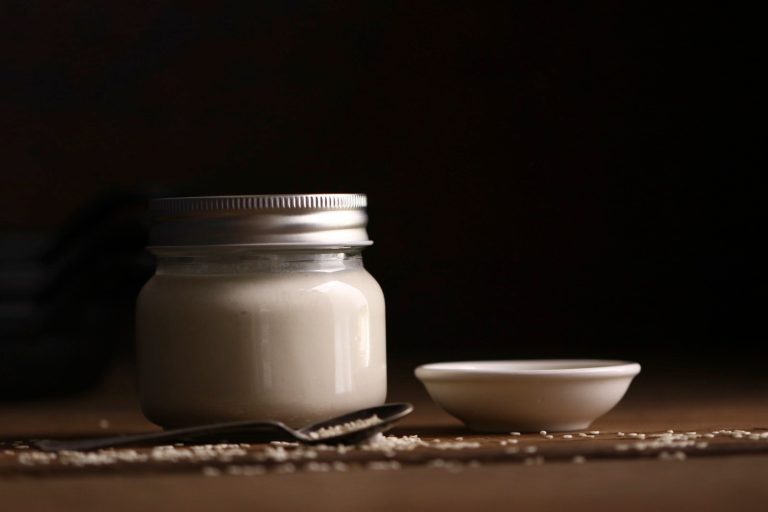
x: 292, y: 336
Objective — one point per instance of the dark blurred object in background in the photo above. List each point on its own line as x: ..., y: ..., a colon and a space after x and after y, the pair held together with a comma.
x: 66, y: 300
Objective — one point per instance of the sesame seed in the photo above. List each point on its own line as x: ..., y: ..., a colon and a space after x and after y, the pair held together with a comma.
x: 579, y: 459
x: 211, y: 471
x: 549, y: 436
x: 543, y: 432
x: 350, y: 426
x: 249, y: 470
x: 567, y: 436
x: 317, y: 467
x: 514, y: 433
x: 288, y: 467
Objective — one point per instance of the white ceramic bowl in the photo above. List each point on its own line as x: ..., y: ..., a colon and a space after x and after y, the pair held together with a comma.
x: 528, y: 396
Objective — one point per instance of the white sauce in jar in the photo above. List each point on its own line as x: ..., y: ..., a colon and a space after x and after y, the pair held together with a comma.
x: 284, y: 335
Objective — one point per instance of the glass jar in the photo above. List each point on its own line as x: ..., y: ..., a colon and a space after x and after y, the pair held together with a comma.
x: 260, y: 309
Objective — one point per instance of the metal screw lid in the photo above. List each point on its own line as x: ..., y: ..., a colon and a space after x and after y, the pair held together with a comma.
x: 278, y: 220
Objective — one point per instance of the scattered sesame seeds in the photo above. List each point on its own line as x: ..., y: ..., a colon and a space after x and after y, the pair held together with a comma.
x: 317, y: 467
x: 514, y: 433
x: 678, y: 455
x: 288, y: 467
x: 344, y: 428
x: 284, y: 443
x: 242, y: 459
x: 383, y: 465
x: 211, y: 471
x: 33, y: 458
x: 247, y: 470
x: 104, y: 423
x: 459, y: 445
x: 390, y: 444
x: 449, y: 465
x: 340, y: 466
x: 543, y: 432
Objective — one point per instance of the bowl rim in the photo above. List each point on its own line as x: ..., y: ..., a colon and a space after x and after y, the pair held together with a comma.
x: 508, y: 368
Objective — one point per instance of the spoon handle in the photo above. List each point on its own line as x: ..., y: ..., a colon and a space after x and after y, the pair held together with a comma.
x: 217, y: 430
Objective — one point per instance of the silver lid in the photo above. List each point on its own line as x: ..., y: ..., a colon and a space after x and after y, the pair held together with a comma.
x: 279, y: 220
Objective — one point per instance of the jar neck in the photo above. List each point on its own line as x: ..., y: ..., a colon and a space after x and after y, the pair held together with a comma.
x: 222, y: 262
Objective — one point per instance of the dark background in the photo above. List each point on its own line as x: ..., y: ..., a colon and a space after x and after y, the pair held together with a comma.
x: 543, y: 181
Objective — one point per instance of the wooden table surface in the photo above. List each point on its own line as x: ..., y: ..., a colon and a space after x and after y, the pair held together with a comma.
x: 728, y: 474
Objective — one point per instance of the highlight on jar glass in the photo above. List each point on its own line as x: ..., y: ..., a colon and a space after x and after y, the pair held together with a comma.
x: 260, y: 308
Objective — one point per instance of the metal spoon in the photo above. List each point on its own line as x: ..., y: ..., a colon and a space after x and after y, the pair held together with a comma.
x: 388, y: 414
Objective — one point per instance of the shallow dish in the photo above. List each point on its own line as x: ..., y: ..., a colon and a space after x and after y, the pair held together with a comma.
x: 528, y: 396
